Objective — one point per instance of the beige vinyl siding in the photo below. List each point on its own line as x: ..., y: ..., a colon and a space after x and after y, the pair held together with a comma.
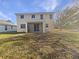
x: 28, y: 19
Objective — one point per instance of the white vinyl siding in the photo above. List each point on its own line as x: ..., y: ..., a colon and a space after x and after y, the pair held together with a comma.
x: 9, y: 29
x: 2, y: 28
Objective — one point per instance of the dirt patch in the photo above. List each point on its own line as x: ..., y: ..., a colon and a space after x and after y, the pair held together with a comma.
x: 37, y: 46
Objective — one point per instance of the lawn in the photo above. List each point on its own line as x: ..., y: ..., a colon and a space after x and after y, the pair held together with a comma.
x: 56, y: 45
x: 8, y: 35
x: 2, y: 36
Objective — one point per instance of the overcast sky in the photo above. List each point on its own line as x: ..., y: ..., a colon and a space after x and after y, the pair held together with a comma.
x: 8, y: 8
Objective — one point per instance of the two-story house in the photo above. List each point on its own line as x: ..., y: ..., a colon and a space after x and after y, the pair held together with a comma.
x: 35, y: 22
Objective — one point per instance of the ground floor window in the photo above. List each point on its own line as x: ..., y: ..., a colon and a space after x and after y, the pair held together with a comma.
x: 22, y: 26
x: 5, y: 27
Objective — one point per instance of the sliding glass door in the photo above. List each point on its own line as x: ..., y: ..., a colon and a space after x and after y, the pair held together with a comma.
x: 36, y: 28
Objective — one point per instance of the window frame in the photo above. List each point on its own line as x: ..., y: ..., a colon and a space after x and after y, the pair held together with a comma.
x: 33, y: 16
x: 6, y: 27
x: 41, y: 16
x: 22, y: 26
x: 51, y: 16
x: 22, y: 16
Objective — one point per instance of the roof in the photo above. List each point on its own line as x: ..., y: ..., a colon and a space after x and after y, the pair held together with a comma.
x: 35, y: 13
x: 6, y: 22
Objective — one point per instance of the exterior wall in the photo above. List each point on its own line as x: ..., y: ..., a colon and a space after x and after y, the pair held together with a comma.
x: 12, y: 29
x: 19, y: 22
x: 48, y: 21
x: 27, y: 18
x: 2, y: 28
x: 9, y: 29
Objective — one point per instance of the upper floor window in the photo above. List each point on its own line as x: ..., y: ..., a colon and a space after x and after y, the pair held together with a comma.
x: 33, y: 16
x: 51, y: 16
x: 41, y: 16
x: 22, y: 16
x: 23, y: 26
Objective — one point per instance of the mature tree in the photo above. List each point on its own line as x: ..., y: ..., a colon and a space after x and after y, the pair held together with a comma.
x: 69, y: 17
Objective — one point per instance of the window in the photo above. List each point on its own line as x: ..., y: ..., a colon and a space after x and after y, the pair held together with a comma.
x: 41, y: 16
x: 22, y: 16
x: 33, y: 16
x: 50, y: 16
x: 23, y: 26
x: 5, y: 27
x: 46, y: 25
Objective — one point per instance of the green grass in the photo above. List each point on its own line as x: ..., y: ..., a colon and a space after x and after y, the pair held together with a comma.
x: 39, y: 46
x: 2, y: 36
x: 8, y: 35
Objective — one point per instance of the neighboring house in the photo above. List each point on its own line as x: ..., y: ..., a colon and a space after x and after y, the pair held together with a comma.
x: 7, y: 26
x: 35, y: 22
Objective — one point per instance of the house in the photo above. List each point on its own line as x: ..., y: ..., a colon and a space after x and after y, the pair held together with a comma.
x: 7, y: 26
x: 35, y: 22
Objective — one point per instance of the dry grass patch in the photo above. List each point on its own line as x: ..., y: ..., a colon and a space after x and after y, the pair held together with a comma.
x: 38, y: 46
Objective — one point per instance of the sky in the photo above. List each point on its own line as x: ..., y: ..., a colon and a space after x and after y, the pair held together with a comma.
x: 8, y: 8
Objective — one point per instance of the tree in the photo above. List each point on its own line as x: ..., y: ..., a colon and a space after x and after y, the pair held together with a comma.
x: 66, y: 17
